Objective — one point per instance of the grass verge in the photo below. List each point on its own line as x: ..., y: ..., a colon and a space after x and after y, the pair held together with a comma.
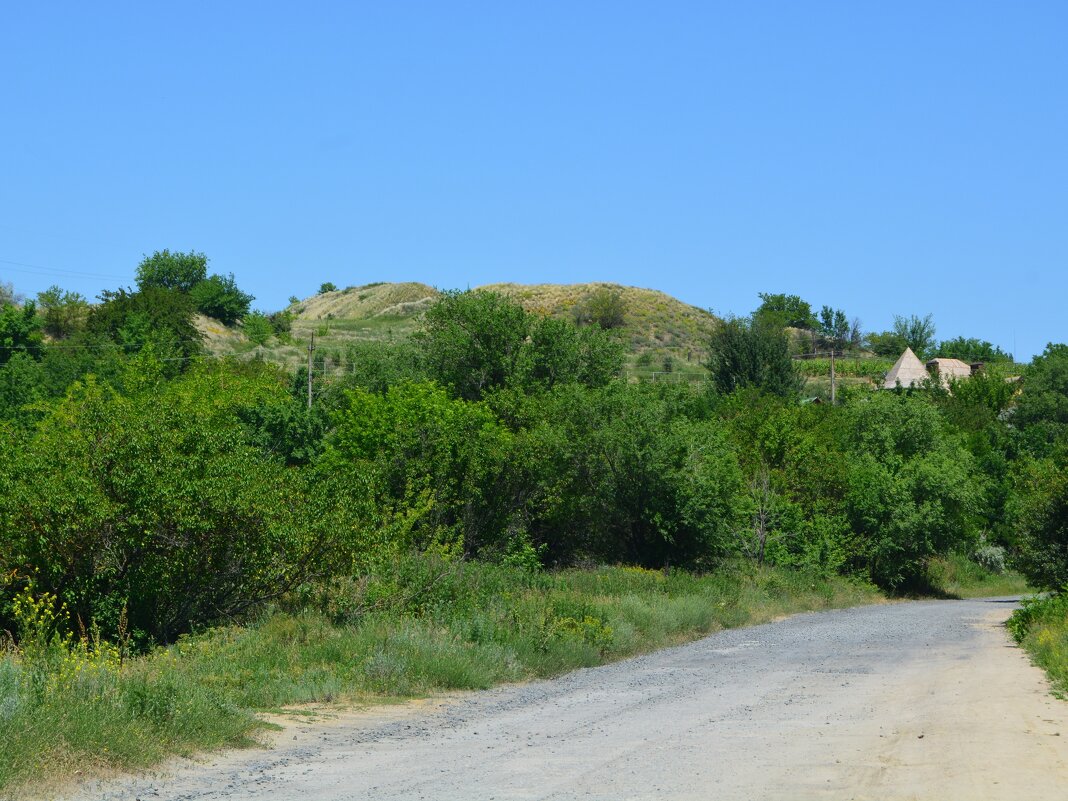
x: 419, y: 626
x: 1041, y: 627
x: 957, y: 576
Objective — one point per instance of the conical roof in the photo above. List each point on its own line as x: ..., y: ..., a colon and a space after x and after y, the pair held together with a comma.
x: 908, y: 371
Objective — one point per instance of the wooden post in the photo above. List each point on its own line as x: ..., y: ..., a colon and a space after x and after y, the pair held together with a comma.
x: 833, y: 393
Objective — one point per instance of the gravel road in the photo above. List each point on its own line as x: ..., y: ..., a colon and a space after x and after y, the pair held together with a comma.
x: 921, y: 700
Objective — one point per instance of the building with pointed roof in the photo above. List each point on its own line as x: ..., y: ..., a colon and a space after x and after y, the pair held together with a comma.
x: 908, y: 371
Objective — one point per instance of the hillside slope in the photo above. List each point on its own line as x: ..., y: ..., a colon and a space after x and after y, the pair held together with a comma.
x: 664, y: 337
x: 662, y: 334
x: 380, y: 299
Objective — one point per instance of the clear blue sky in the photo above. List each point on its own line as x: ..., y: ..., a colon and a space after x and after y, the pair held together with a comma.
x: 905, y: 157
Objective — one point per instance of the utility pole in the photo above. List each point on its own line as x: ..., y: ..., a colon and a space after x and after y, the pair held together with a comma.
x: 833, y: 393
x: 311, y: 349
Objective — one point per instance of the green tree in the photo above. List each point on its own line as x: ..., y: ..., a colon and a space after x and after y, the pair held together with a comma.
x: 160, y: 318
x: 887, y: 343
x: 20, y: 384
x: 1042, y: 410
x: 326, y: 287
x: 835, y: 327
x: 257, y: 327
x: 376, y: 365
x: 917, y: 333
x: 751, y: 353
x: 1039, y: 513
x: 63, y: 313
x: 20, y: 331
x: 556, y: 352
x: 440, y: 462
x: 8, y: 295
x: 178, y: 271
x: 784, y: 311
x: 472, y: 341
x: 970, y: 349
x: 621, y: 473
x: 219, y: 297
x: 912, y: 491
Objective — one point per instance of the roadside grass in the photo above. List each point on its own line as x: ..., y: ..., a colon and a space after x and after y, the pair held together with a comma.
x: 957, y: 576
x: 419, y: 626
x: 1041, y: 627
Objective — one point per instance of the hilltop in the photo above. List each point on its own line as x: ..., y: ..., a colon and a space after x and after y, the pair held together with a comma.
x: 662, y: 334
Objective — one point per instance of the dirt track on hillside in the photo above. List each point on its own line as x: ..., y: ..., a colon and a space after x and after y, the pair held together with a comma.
x: 925, y: 700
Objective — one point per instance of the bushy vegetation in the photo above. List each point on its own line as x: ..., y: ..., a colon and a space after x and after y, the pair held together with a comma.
x: 169, y: 521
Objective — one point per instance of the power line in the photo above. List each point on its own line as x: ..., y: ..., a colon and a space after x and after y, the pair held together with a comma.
x: 38, y: 269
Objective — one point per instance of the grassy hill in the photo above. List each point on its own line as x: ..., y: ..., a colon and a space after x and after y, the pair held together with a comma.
x: 665, y: 338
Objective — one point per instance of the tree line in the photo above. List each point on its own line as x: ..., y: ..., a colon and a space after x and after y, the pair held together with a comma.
x: 157, y: 491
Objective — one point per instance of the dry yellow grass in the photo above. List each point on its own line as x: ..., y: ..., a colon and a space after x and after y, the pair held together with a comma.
x: 371, y: 300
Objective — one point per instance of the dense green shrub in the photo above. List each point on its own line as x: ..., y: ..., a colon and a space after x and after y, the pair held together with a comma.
x: 752, y: 353
x: 154, y: 317
x: 158, y: 504
x: 175, y: 271
x: 20, y: 331
x: 219, y: 297
x: 1039, y: 512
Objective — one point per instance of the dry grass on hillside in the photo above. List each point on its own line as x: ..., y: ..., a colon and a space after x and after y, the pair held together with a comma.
x: 655, y: 322
x: 665, y: 338
x: 371, y: 300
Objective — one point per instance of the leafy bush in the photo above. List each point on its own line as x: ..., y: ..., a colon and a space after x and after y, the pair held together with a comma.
x: 154, y: 317
x: 257, y: 327
x: 218, y: 296
x: 160, y: 505
x: 604, y: 307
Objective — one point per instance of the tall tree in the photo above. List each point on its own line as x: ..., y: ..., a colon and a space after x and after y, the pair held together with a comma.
x: 20, y: 331
x: 752, y: 353
x: 64, y: 313
x: 835, y: 326
x: 917, y: 333
x: 785, y: 311
x: 166, y: 270
x: 472, y: 341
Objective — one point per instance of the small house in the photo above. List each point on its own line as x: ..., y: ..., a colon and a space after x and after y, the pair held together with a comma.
x: 948, y: 370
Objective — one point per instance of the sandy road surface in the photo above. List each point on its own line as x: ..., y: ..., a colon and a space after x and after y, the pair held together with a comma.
x: 921, y: 700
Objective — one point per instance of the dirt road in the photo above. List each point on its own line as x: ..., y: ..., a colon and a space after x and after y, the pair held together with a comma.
x: 924, y: 700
